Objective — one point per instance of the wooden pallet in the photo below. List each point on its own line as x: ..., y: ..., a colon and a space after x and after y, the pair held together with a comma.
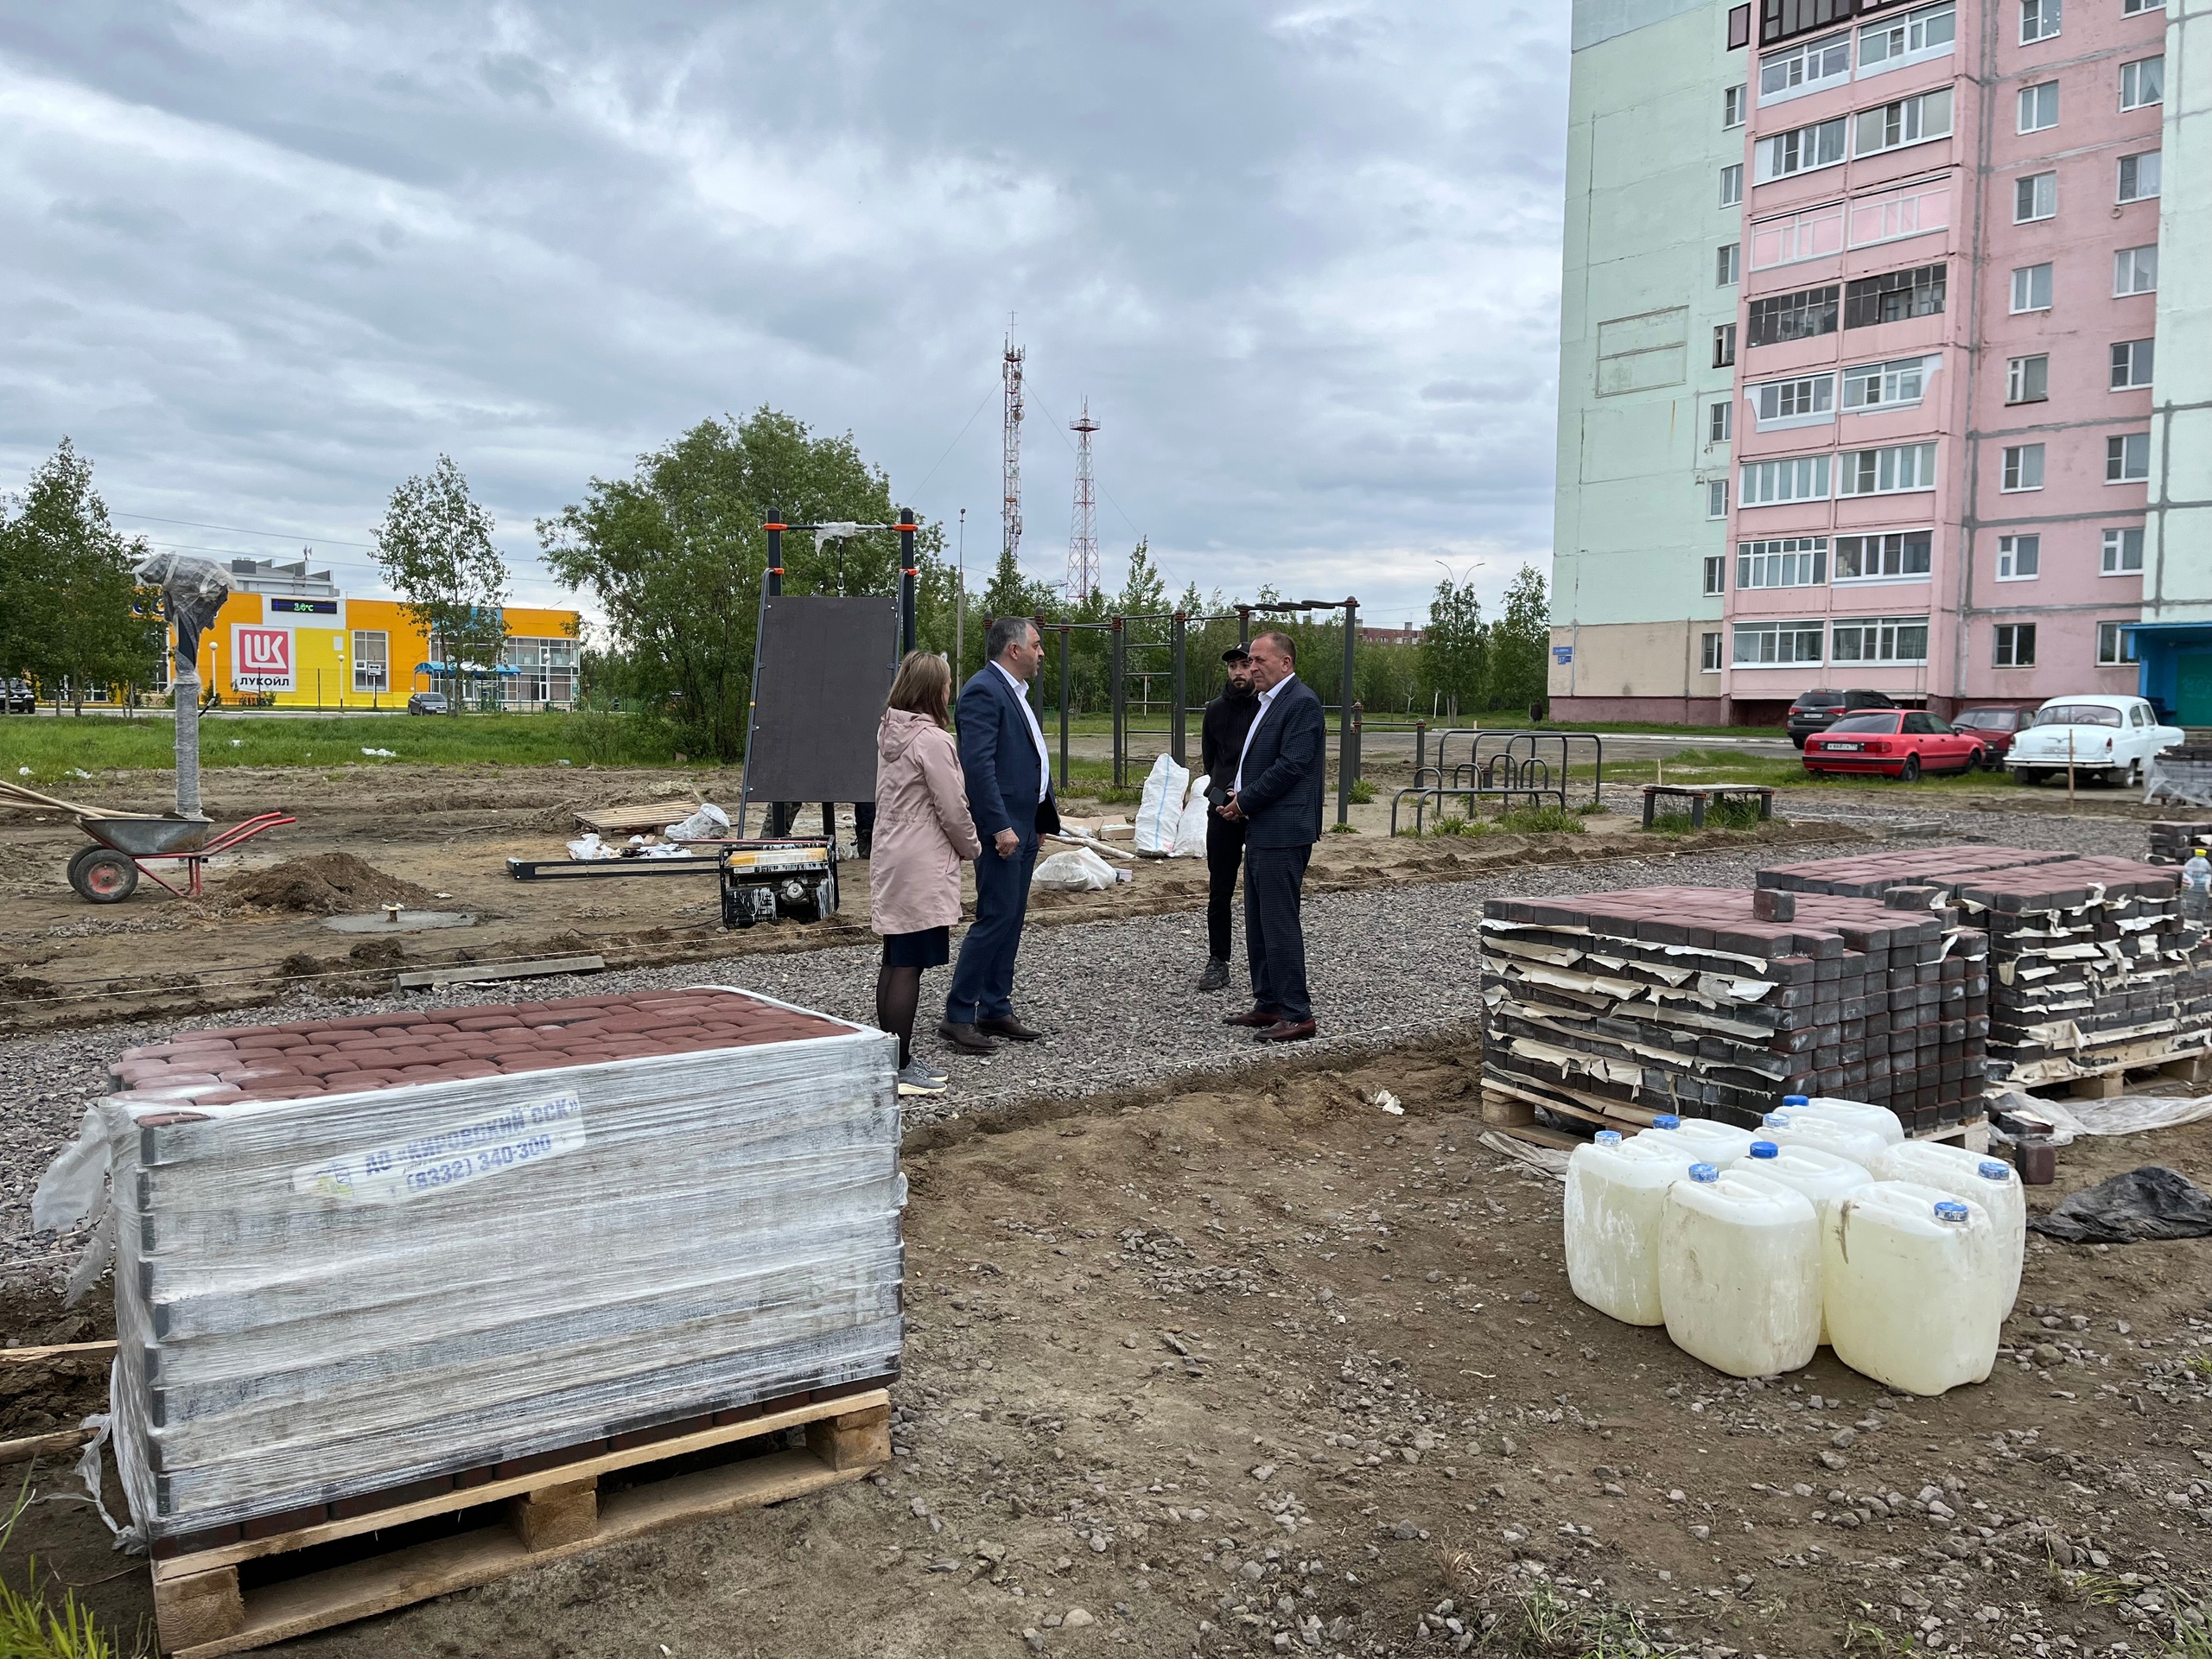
x: 1514, y: 1112
x: 205, y: 1608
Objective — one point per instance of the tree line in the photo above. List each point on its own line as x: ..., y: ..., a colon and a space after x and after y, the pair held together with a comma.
x: 675, y: 556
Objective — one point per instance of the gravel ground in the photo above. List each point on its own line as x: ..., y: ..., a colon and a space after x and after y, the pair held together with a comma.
x: 1387, y: 966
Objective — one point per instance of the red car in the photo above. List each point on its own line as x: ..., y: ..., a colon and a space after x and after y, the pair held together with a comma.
x: 1899, y: 743
x: 1996, y: 727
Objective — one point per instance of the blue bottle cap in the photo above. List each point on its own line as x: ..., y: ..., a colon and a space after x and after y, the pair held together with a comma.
x: 1994, y: 1171
x: 1952, y: 1210
x: 1796, y: 1100
x: 1775, y: 1120
x: 1609, y: 1137
x: 1766, y: 1149
x: 1704, y: 1172
x: 1666, y: 1121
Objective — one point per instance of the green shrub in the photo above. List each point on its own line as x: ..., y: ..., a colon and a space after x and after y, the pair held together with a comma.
x: 31, y: 1629
x: 1449, y: 825
x: 1592, y: 809
x: 1545, y: 820
x: 1732, y: 815
x: 1670, y: 823
x: 1362, y: 792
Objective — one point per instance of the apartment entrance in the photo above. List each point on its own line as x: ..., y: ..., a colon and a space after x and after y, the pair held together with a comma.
x: 2193, y: 692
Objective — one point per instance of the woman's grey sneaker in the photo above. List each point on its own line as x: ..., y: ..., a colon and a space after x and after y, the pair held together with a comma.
x: 1216, y: 977
x: 919, y: 1079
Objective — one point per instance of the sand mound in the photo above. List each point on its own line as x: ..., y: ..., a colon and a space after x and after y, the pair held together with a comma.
x: 329, y: 884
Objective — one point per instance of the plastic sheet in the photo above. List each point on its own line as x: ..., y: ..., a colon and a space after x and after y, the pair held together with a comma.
x: 2150, y: 1203
x: 1160, y: 811
x: 2123, y: 1115
x: 321, y: 1298
x: 1079, y: 870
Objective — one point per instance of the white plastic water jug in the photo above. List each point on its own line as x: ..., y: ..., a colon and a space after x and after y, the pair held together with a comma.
x: 1862, y: 1147
x: 1855, y: 1114
x: 1716, y: 1143
x: 1824, y: 1177
x: 1739, y: 1272
x: 1616, y: 1191
x: 1915, y: 1281
x: 1978, y: 1178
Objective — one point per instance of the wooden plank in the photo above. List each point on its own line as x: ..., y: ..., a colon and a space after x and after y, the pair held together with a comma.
x: 58, y: 1350
x: 1505, y: 1110
x: 362, y: 1589
x: 650, y: 816
x: 201, y: 1608
x: 438, y: 978
x: 493, y: 1490
x: 555, y: 1514
x: 1537, y: 1134
x: 39, y: 1445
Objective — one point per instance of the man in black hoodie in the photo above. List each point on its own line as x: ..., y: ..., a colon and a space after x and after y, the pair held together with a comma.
x: 1221, y: 744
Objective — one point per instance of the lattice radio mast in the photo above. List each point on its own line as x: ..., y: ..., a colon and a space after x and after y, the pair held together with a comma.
x: 1010, y: 508
x: 1083, y: 534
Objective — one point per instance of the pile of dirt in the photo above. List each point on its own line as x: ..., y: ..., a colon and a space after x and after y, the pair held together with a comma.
x: 328, y: 884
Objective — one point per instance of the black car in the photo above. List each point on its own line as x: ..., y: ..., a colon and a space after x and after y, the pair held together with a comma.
x: 428, y: 702
x: 17, y: 697
x: 1817, y: 711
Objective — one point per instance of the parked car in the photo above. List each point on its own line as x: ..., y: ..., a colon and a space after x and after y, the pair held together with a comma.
x: 428, y: 702
x: 1900, y: 743
x: 1815, y: 711
x: 2107, y: 738
x: 18, y: 698
x: 1996, y: 727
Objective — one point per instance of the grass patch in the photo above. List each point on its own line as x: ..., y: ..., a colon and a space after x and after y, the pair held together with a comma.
x: 31, y: 1629
x: 1669, y: 823
x: 1864, y: 1636
x: 1453, y: 824
x: 2182, y: 1621
x: 1540, y: 1619
x: 1362, y: 792
x: 1545, y: 820
x: 1342, y: 830
x: 1732, y: 815
x: 1592, y: 809
x: 55, y: 748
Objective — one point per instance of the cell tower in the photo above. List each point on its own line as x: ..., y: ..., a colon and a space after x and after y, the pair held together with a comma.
x: 1010, y: 509
x: 1082, y: 533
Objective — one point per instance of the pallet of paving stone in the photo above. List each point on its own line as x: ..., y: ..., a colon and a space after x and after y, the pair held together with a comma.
x: 2171, y: 842
x: 358, y: 1255
x: 1709, y: 1002
x: 2092, y: 969
x: 316, y: 1572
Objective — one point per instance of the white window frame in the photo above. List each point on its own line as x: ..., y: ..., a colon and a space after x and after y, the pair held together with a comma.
x: 1773, y: 634
x: 1716, y: 498
x: 1734, y: 105
x: 2133, y: 8
x: 1732, y: 185
x: 1782, y: 561
x: 1716, y: 573
x: 1909, y: 469
x: 2025, y: 282
x: 2139, y: 358
x: 1791, y: 239
x: 2133, y: 75
x: 2135, y: 164
x: 2032, y: 107
x: 1809, y: 477
x: 1721, y: 421
x: 2024, y: 381
x: 1891, y: 633
x: 1830, y: 55
x: 2013, y: 632
x: 1921, y: 119
x: 1724, y: 346
x: 2135, y: 270
x: 1903, y: 549
x: 2118, y: 549
x: 1914, y: 26
x: 1818, y: 390
x: 1810, y: 139
x: 2115, y: 646
x: 2040, y: 20
x: 1727, y: 264
x: 1894, y: 373
x: 382, y: 637
x: 2129, y: 442
x: 2020, y: 469
x: 2043, y: 202
x: 1709, y: 653
x: 2020, y: 558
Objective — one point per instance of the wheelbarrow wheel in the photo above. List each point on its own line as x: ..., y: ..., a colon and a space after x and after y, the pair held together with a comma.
x: 103, y: 876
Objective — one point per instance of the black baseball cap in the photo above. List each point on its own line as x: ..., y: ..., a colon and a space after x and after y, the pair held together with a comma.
x: 1236, y: 654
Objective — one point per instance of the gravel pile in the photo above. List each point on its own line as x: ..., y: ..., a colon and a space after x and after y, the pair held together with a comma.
x: 1387, y: 966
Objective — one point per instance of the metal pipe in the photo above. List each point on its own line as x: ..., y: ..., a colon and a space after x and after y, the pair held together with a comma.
x: 772, y: 582
x: 909, y: 574
x: 1120, y: 709
x: 1064, y: 709
x: 1178, y: 735
x: 1347, y: 761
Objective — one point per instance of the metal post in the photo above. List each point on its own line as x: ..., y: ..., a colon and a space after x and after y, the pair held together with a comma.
x: 1358, y: 745
x: 1420, y: 749
x: 1120, y: 711
x: 909, y: 574
x: 1064, y: 785
x: 772, y: 582
x: 960, y: 604
x: 1178, y: 737
x: 1347, y: 762
x: 1245, y: 625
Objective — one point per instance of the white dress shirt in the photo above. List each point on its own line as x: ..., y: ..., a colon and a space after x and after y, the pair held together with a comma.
x: 1037, y: 732
x: 1267, y: 702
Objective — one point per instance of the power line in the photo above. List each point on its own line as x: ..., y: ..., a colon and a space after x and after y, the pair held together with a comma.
x: 916, y: 492
x: 239, y: 530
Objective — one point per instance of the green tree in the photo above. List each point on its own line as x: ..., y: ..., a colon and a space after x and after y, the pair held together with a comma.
x: 435, y: 549
x: 1455, y: 647
x: 676, y: 555
x: 70, y: 606
x: 1519, y: 641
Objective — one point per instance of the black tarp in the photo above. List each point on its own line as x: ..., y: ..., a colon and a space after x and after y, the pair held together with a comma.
x: 826, y: 667
x: 2152, y: 1201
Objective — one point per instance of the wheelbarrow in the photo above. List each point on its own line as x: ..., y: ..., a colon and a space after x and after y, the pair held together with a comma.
x: 128, y: 843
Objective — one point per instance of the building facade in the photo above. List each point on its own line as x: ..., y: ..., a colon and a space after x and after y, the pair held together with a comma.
x: 1948, y: 318
x: 288, y: 638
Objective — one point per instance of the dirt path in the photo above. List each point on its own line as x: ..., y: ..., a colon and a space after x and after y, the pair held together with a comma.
x: 1227, y: 1366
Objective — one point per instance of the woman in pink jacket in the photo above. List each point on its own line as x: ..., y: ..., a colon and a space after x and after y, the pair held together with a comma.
x: 922, y: 832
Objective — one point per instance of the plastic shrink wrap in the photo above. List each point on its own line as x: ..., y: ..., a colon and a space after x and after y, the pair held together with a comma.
x: 319, y: 1298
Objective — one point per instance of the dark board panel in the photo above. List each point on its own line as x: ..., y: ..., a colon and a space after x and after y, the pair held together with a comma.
x: 826, y: 667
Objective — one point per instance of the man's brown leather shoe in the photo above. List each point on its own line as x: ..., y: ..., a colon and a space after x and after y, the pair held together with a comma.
x: 1006, y: 1025
x: 1256, y: 1018
x: 1287, y: 1031
x: 963, y: 1035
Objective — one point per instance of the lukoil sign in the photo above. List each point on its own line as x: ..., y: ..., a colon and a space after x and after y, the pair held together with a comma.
x: 262, y: 659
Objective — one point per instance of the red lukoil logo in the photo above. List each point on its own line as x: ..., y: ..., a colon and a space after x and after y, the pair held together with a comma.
x: 263, y: 660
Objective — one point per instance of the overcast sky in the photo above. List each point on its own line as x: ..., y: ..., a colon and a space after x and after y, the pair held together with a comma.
x: 265, y: 259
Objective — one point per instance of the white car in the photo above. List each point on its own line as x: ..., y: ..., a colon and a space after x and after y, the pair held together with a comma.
x: 2102, y: 737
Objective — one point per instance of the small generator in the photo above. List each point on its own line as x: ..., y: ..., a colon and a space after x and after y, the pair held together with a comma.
x: 792, y: 880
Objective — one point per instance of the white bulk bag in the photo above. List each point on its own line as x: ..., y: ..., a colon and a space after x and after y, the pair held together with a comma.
x: 1160, y: 812
x: 1079, y: 870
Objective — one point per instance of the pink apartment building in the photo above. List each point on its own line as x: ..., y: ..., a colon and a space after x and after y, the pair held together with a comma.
x: 1943, y: 350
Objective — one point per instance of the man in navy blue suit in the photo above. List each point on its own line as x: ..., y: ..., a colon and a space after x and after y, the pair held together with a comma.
x: 1278, y: 794
x: 1009, y: 780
